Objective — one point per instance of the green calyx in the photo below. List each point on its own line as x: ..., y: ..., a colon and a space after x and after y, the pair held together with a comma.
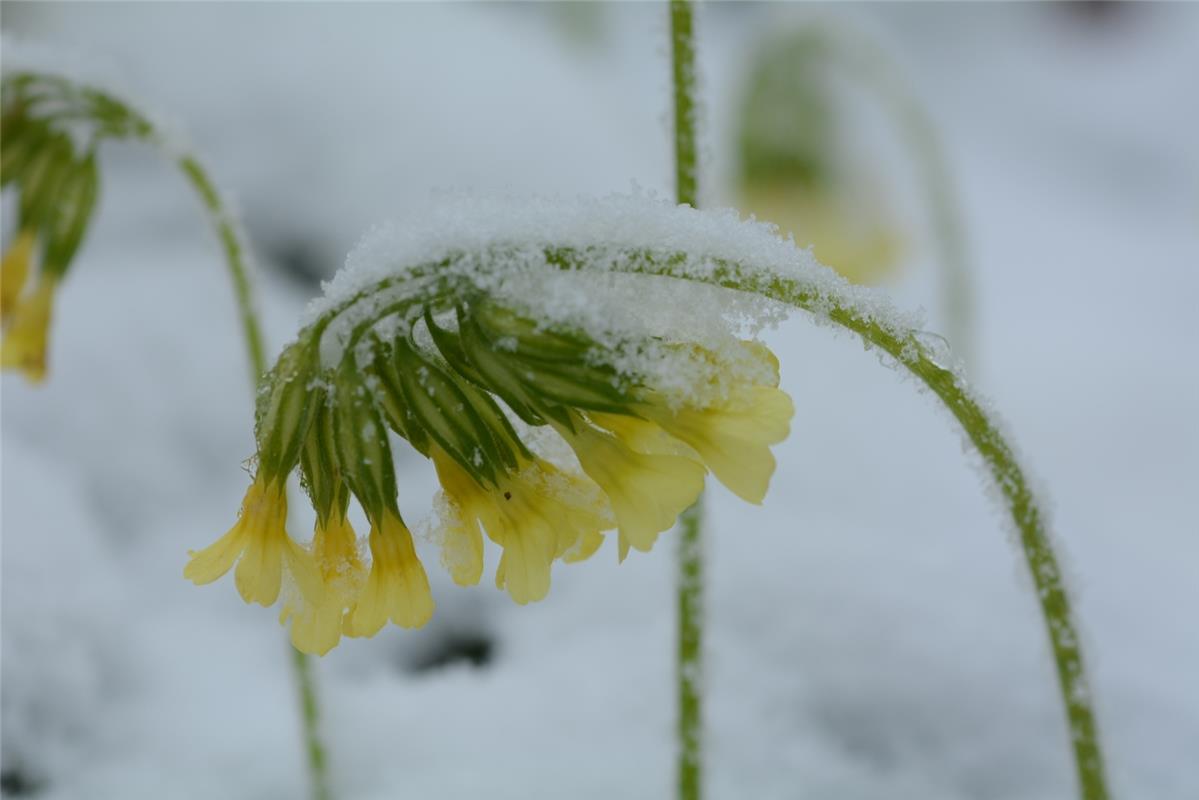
x: 434, y: 383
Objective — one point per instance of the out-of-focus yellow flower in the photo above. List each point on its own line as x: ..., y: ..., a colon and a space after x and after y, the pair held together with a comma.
x: 856, y: 242
x: 258, y: 543
x: 397, y: 587
x: 536, y: 514
x: 647, y: 490
x: 316, y: 628
x: 14, y: 270
x: 24, y: 344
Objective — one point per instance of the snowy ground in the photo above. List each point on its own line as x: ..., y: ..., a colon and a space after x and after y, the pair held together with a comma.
x: 871, y: 634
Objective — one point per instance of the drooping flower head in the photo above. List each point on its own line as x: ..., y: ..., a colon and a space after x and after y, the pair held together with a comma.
x: 49, y: 133
x: 543, y: 437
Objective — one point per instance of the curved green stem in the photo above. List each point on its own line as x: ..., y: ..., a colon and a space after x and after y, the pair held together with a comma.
x: 1029, y: 522
x: 908, y: 350
x: 690, y: 567
x: 235, y: 257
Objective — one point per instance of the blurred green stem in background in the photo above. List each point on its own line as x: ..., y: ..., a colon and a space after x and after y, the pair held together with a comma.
x: 689, y: 673
x: 235, y: 257
x: 870, y: 64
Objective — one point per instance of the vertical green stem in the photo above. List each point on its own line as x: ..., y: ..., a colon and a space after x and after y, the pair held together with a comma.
x: 689, y: 665
x: 682, y: 58
x: 313, y: 747
x: 235, y: 257
x: 689, y: 675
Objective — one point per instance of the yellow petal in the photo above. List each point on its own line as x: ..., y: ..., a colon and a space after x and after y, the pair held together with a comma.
x: 259, y: 573
x: 584, y: 548
x: 215, y: 560
x: 206, y: 565
x: 641, y: 435
x: 647, y: 491
x: 462, y: 552
x: 535, y: 514
x: 529, y: 543
x: 302, y: 568
x: 24, y: 345
x: 462, y: 542
x: 336, y: 571
x: 335, y: 550
x: 316, y: 629
x: 735, y: 442
x: 397, y: 587
x: 14, y: 270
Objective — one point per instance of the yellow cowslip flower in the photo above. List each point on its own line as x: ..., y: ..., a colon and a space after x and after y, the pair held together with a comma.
x: 536, y: 514
x: 647, y: 490
x: 14, y: 270
x: 734, y: 439
x: 316, y: 628
x: 397, y: 587
x: 24, y: 344
x: 259, y: 544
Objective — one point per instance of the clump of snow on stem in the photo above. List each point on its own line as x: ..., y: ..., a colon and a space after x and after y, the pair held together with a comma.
x: 506, y: 247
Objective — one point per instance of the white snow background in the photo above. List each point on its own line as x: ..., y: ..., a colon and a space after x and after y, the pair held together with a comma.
x: 872, y: 632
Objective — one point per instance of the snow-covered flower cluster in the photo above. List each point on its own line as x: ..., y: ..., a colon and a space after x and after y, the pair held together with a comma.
x: 476, y: 387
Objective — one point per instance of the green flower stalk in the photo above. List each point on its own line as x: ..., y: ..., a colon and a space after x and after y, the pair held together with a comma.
x: 52, y: 127
x: 689, y: 659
